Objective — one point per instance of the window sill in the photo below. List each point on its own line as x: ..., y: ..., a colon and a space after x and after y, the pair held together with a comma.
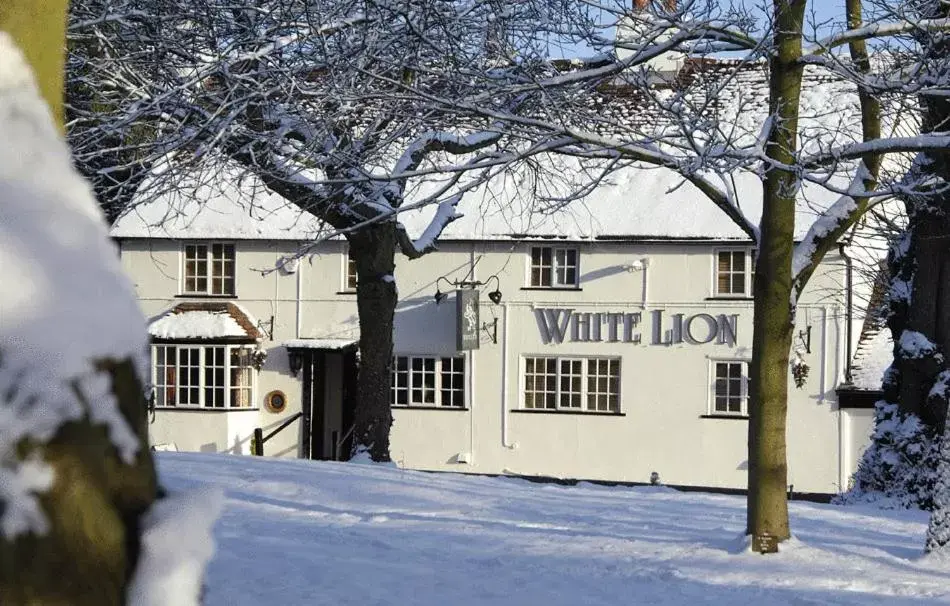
x: 403, y: 407
x: 730, y: 298
x: 346, y: 292
x: 204, y: 296
x: 725, y: 416
x: 561, y: 288
x: 203, y: 409
x: 588, y: 413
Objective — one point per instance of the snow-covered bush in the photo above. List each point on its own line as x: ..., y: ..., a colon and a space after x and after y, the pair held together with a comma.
x: 938, y: 532
x: 897, y: 469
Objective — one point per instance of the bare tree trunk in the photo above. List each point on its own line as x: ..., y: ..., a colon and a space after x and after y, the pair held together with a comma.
x: 94, y: 510
x: 373, y: 248
x: 929, y: 254
x: 772, y: 289
x: 96, y: 502
x: 39, y: 29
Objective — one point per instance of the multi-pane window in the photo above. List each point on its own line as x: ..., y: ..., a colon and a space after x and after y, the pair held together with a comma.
x: 428, y: 381
x: 216, y: 376
x: 553, y: 267
x: 349, y: 279
x: 209, y: 269
x: 729, y: 388
x: 732, y: 275
x: 585, y: 384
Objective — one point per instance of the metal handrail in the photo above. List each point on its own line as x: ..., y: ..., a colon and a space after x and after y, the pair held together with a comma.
x: 260, y: 438
x: 339, y: 445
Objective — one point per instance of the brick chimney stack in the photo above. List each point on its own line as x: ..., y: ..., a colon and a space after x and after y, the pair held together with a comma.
x: 642, y: 4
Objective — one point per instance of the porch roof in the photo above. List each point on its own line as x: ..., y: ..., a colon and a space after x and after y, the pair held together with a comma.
x: 328, y: 344
x: 205, y: 321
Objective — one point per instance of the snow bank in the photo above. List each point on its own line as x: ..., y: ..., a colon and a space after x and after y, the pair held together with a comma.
x: 305, y: 532
x: 176, y: 546
x: 64, y: 302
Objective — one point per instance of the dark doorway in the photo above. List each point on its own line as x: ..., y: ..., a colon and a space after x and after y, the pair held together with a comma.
x: 313, y: 404
x: 350, y: 371
x: 328, y: 414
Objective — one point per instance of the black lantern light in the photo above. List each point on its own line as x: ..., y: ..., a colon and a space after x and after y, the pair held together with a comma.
x: 294, y: 361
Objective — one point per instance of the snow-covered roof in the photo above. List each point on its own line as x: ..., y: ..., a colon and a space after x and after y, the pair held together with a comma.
x: 228, y: 205
x: 873, y: 356
x: 204, y: 321
x: 328, y: 344
x: 638, y: 202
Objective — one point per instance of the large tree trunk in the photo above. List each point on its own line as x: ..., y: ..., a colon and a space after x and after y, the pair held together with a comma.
x: 94, y: 512
x: 93, y: 509
x: 772, y: 289
x: 928, y: 257
x: 39, y: 29
x: 373, y: 248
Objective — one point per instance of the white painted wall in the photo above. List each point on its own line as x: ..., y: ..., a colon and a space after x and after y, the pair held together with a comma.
x: 665, y: 389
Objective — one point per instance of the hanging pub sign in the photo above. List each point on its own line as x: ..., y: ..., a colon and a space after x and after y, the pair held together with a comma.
x: 558, y: 325
x: 466, y: 319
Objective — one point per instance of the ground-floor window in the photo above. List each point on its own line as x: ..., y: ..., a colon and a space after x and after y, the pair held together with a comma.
x: 202, y: 376
x: 730, y: 389
x: 562, y: 383
x: 428, y: 381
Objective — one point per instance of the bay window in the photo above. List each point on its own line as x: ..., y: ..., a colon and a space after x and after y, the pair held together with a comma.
x: 202, y: 376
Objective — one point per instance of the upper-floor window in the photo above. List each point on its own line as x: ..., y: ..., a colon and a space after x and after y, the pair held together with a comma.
x: 349, y: 273
x: 202, y: 376
x: 730, y: 388
x: 428, y: 381
x: 563, y: 383
x: 553, y: 267
x: 733, y: 273
x: 209, y: 269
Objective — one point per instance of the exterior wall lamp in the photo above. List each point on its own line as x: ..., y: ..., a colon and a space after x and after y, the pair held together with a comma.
x: 494, y: 296
x: 294, y: 361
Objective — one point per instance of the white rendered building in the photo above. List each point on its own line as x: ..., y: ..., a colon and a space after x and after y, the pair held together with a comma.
x: 618, y: 349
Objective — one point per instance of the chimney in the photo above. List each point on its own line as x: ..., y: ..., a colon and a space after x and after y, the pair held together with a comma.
x: 640, y: 5
x: 632, y: 27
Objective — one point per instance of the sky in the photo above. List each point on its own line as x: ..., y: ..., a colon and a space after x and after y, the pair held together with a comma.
x: 820, y: 11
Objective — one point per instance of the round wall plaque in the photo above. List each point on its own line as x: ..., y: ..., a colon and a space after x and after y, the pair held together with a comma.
x: 275, y: 401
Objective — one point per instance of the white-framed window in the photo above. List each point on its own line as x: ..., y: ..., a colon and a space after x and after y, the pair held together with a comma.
x: 730, y: 387
x: 572, y: 383
x: 349, y: 273
x: 436, y: 381
x: 553, y: 267
x: 733, y: 273
x: 202, y: 376
x: 208, y: 269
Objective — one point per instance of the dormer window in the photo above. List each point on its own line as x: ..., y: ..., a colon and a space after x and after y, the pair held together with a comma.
x: 208, y: 269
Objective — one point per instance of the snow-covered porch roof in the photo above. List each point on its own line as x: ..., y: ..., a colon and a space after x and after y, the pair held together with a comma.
x: 205, y: 321
x: 331, y: 344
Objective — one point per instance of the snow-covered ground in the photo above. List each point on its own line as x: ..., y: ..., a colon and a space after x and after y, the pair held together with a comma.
x: 300, y: 532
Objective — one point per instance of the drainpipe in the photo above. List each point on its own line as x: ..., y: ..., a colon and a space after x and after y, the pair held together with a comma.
x: 849, y: 309
x: 849, y: 321
x: 471, y: 407
x: 299, y: 297
x: 823, y: 374
x: 505, y: 364
x: 645, y: 262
